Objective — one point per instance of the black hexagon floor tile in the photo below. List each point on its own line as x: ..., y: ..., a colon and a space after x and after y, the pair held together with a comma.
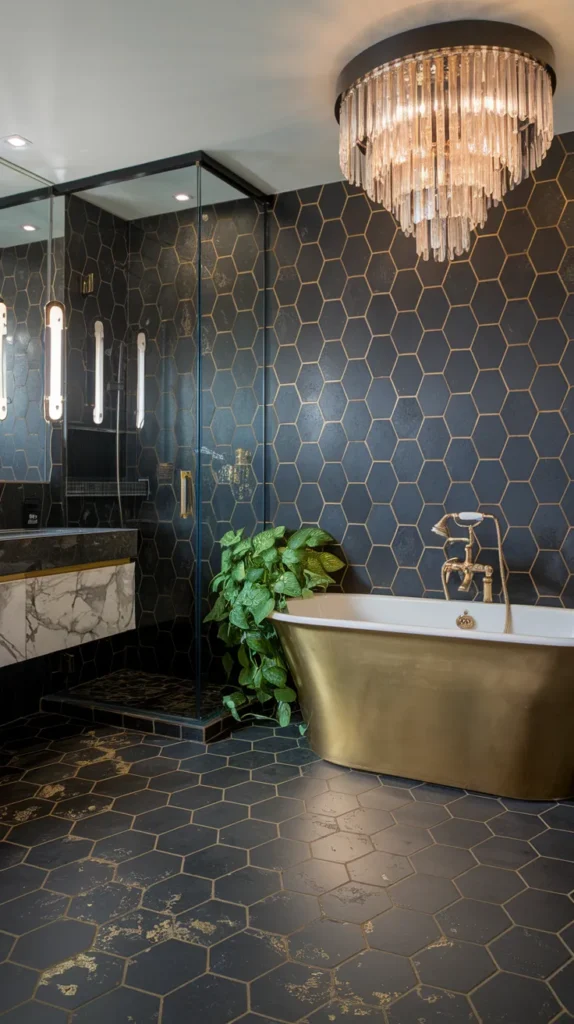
x: 290, y: 992
x: 248, y: 954
x: 166, y: 967
x: 526, y: 951
x: 80, y: 979
x: 433, y: 1006
x: 402, y: 931
x: 326, y: 943
x: 221, y: 1000
x: 375, y: 978
x: 299, y: 875
x: 122, y: 1006
x: 16, y: 984
x: 134, y: 932
x: 104, y: 903
x: 453, y: 965
x: 210, y: 922
x: 356, y: 902
x: 176, y: 894
x: 284, y: 912
x: 516, y: 999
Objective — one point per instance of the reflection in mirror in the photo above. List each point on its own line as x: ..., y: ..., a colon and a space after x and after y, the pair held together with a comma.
x: 31, y: 261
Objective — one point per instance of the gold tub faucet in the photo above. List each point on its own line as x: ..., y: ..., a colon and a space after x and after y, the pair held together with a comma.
x: 467, y: 568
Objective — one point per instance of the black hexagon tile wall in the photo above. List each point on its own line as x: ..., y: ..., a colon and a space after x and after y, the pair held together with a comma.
x: 399, y: 389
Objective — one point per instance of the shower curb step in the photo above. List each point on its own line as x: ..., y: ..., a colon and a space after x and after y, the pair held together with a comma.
x: 100, y: 713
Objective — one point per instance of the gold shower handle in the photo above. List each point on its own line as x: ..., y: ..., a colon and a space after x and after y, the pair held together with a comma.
x: 186, y: 494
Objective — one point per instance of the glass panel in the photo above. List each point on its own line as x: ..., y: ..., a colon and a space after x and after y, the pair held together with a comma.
x: 29, y: 253
x: 194, y: 436
x: 231, y: 450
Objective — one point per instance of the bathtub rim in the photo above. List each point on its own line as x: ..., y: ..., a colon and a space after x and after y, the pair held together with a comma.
x: 360, y: 625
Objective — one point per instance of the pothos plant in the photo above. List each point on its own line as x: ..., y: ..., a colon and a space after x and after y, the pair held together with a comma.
x: 257, y: 576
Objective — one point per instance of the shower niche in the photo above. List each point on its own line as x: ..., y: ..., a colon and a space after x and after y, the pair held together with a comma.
x: 165, y: 314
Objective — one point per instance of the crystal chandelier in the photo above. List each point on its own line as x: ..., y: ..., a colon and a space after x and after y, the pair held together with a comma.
x: 438, y: 133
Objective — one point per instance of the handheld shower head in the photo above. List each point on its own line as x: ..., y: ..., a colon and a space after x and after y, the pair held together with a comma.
x: 441, y: 527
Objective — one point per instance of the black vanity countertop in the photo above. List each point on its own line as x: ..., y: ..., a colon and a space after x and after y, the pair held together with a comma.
x: 30, y: 550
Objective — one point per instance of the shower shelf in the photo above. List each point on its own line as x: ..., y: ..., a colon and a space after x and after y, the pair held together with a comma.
x: 107, y: 488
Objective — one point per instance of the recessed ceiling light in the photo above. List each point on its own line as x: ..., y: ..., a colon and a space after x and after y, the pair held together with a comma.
x: 29, y: 227
x: 182, y: 197
x: 17, y: 141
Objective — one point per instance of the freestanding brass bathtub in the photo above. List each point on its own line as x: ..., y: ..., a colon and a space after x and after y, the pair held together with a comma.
x: 393, y: 685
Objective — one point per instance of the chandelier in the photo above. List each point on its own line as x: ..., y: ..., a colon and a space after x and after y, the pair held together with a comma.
x: 437, y: 124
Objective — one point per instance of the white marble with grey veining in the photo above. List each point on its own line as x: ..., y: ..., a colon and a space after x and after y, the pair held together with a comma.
x: 67, y: 609
x: 12, y: 622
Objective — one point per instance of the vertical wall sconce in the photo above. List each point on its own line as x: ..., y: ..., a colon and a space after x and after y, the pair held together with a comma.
x: 55, y: 323
x: 140, y: 411
x: 99, y: 372
x: 3, y: 390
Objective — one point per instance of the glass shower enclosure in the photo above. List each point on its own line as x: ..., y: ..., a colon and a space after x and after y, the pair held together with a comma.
x: 165, y: 426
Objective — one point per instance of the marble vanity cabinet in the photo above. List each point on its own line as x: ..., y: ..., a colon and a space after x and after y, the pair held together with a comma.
x: 61, y: 588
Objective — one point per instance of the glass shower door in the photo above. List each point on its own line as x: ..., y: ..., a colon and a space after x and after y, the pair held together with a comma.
x: 231, y: 345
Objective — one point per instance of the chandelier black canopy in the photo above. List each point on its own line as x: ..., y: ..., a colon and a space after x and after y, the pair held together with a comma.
x: 437, y: 123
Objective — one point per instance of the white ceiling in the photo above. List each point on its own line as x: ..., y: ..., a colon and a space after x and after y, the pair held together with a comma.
x: 106, y: 85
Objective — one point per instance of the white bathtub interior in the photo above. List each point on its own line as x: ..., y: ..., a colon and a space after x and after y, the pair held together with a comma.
x: 530, y: 624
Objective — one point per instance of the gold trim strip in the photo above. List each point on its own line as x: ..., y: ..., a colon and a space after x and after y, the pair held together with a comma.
x: 63, y: 569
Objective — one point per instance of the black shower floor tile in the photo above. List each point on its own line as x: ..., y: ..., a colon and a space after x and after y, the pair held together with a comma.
x: 276, y: 893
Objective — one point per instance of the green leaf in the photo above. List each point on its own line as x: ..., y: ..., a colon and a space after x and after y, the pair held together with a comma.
x: 217, y: 581
x: 313, y: 579
x: 257, y: 643
x: 243, y: 657
x: 227, y: 662
x: 246, y: 676
x: 242, y: 548
x: 330, y: 562
x: 290, y: 557
x: 264, y: 540
x: 254, y: 575
x: 306, y: 593
x: 218, y: 612
x: 287, y: 584
x: 263, y: 609
x: 299, y: 538
x: 230, y: 589
x: 270, y: 556
x: 238, y: 618
x: 317, y: 537
x: 283, y: 714
x: 231, y: 537
x: 274, y: 674
x: 238, y: 572
x: 226, y: 633
x: 313, y: 562
x: 229, y: 703
x: 303, y: 728
x: 285, y: 695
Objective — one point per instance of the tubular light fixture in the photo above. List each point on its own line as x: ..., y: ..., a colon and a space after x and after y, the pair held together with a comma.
x: 55, y: 323
x: 3, y: 332
x: 182, y: 197
x: 99, y: 371
x: 140, y: 404
x: 29, y: 227
x: 438, y: 123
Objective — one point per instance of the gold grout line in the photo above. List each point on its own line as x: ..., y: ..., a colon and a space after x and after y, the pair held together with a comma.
x: 32, y: 573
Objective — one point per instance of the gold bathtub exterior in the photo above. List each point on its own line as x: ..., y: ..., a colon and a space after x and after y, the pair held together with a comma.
x: 488, y: 716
